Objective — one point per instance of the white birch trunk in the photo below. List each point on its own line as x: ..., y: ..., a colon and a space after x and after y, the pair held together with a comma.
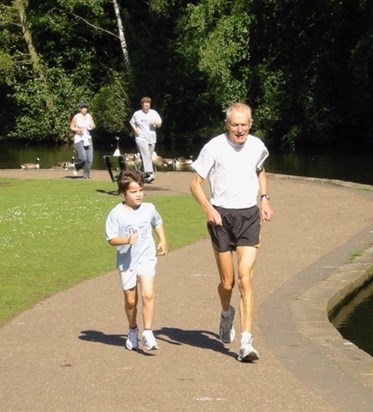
x: 122, y: 39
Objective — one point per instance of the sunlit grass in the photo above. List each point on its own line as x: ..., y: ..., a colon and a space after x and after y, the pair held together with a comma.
x: 52, y: 235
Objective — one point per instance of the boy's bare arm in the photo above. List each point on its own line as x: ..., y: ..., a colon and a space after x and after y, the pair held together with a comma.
x: 120, y: 241
x: 162, y: 246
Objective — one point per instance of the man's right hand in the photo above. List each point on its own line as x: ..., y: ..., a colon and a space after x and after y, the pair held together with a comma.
x: 213, y: 217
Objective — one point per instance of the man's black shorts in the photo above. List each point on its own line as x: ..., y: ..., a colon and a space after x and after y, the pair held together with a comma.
x: 241, y: 227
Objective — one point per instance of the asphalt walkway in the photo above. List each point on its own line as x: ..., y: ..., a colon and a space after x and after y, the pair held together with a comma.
x: 67, y: 353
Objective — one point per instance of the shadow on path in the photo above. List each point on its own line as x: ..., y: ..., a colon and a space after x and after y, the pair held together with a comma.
x: 199, y: 338
x: 100, y: 337
x: 174, y: 336
x: 113, y: 340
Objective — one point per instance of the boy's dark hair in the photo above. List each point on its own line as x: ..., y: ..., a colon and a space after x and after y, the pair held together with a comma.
x: 129, y: 176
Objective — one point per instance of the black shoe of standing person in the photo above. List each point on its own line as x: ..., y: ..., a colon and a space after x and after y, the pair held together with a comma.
x: 149, y: 178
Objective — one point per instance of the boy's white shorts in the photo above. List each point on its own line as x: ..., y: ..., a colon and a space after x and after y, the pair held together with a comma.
x: 128, y: 279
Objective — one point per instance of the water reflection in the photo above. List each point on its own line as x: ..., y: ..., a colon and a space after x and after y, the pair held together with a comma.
x: 348, y: 167
x: 354, y: 320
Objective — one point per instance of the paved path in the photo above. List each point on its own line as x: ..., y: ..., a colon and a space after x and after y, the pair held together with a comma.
x: 67, y: 354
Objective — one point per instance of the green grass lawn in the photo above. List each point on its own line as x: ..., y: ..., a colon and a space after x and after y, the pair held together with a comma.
x: 52, y: 235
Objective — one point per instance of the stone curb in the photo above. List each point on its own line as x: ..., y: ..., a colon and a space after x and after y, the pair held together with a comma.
x: 303, y: 336
x: 311, y: 313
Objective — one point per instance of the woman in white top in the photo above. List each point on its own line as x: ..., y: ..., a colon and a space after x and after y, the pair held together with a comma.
x: 82, y: 123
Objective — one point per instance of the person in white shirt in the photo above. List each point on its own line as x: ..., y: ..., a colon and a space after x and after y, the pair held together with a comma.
x: 144, y: 123
x: 233, y: 164
x: 82, y: 124
x: 129, y: 227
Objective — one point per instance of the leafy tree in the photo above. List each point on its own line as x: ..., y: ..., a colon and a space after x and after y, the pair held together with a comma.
x: 305, y: 67
x: 65, y: 73
x: 308, y: 45
x: 34, y: 122
x: 214, y: 35
x: 111, y: 107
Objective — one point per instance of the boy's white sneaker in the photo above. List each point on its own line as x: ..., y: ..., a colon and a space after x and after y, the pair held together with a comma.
x: 75, y: 171
x: 132, y: 341
x: 247, y: 352
x: 148, y: 340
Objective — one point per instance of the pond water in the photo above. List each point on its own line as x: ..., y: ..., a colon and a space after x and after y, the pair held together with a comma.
x: 355, y: 320
x: 349, y: 167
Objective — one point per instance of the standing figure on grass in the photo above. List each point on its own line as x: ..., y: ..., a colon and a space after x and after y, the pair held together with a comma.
x: 233, y: 164
x: 144, y: 123
x: 82, y: 124
x: 129, y: 228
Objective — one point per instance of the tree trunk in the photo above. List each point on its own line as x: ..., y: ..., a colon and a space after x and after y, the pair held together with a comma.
x: 20, y: 6
x: 122, y: 39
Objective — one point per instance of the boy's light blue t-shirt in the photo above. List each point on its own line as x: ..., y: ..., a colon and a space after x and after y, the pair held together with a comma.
x: 121, y: 222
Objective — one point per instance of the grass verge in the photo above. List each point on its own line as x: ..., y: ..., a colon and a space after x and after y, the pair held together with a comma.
x: 52, y: 235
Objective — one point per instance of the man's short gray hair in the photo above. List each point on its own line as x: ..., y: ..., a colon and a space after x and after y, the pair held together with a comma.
x: 240, y: 107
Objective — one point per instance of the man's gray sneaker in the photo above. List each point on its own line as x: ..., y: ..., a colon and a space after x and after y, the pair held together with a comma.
x: 226, y: 330
x: 132, y: 342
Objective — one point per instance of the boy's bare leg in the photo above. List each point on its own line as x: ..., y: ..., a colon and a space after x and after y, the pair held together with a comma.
x: 130, y: 306
x: 147, y: 295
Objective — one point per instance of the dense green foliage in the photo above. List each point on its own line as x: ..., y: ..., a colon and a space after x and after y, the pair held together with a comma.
x: 305, y: 67
x: 53, y: 231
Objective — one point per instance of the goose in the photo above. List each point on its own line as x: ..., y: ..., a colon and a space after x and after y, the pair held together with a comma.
x: 69, y: 165
x: 183, y: 165
x: 29, y: 166
x: 132, y: 160
x: 66, y: 165
x: 161, y: 163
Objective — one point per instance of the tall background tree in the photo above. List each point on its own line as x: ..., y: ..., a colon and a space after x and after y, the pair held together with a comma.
x: 305, y: 67
x: 64, y: 61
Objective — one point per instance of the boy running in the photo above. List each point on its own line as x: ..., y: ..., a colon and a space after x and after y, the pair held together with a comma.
x: 129, y: 228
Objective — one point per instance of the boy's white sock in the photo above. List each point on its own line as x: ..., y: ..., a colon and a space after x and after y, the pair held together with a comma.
x: 246, y: 337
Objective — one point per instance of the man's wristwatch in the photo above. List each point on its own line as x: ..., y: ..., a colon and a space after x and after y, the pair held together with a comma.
x: 266, y: 195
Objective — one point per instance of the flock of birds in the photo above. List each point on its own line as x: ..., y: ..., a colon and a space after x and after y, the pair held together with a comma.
x: 180, y: 164
x: 36, y: 165
x: 131, y: 161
